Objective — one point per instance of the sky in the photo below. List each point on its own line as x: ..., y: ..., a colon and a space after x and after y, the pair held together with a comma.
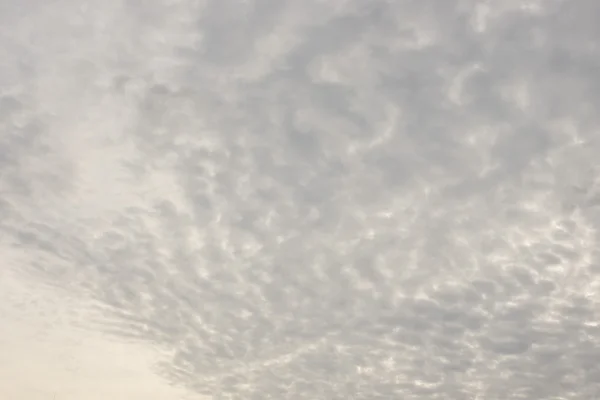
x: 316, y: 199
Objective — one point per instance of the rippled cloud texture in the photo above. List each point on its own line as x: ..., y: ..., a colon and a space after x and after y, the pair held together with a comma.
x: 300, y: 199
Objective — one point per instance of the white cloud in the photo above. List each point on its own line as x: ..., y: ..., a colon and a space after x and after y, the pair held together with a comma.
x: 303, y: 199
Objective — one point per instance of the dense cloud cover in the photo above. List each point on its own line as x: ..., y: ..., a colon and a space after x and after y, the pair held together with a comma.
x: 314, y: 199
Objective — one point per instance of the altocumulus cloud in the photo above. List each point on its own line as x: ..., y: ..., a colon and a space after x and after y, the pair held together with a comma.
x: 314, y: 199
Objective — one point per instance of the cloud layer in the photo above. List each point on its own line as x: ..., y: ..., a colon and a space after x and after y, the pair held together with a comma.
x: 317, y: 199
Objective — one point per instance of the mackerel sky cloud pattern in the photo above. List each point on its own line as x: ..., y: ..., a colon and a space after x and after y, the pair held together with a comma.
x: 300, y: 199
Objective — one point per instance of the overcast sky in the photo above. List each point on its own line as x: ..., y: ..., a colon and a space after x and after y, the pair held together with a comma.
x: 299, y: 199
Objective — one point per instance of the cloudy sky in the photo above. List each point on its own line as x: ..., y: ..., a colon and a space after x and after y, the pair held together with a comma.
x: 285, y: 199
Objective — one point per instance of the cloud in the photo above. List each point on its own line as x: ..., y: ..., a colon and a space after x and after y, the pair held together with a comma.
x: 318, y: 199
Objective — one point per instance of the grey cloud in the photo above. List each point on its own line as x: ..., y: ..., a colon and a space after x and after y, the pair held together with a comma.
x: 376, y: 201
